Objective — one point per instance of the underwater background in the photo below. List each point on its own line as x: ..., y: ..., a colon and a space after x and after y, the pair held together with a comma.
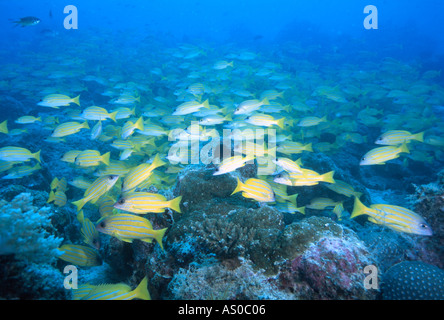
x: 221, y: 150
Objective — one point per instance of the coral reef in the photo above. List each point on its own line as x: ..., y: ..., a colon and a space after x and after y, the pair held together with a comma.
x: 27, y: 230
x: 214, y: 281
x: 323, y: 260
x: 228, y: 234
x: 27, y: 243
x: 413, y: 280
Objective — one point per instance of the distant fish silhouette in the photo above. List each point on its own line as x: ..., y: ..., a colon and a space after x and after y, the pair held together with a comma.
x: 27, y: 21
x: 258, y: 37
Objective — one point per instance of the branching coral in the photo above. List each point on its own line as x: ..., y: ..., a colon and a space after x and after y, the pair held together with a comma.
x: 26, y: 229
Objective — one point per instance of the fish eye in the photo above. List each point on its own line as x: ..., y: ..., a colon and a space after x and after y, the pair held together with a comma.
x: 423, y: 226
x: 363, y: 158
x: 121, y: 201
x: 102, y: 224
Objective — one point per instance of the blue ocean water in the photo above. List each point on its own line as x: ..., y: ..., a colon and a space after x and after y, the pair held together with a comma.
x: 253, y: 149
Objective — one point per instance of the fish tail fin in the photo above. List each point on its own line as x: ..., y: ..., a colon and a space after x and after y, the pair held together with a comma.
x: 280, y: 123
x: 328, y: 177
x: 113, y: 115
x: 51, y: 197
x: 358, y: 208
x: 293, y: 198
x: 301, y: 209
x: 138, y: 99
x: 4, y: 127
x: 271, y: 151
x: 37, y: 156
x: 157, y: 162
x: 79, y: 204
x: 308, y: 147
x: 231, y: 64
x: 159, y: 236
x: 80, y: 216
x: 238, y: 187
x: 419, y: 136
x: 105, y: 158
x: 139, y: 124
x: 265, y: 101
x: 76, y: 100
x: 324, y: 119
x: 206, y: 104
x: 141, y: 292
x: 403, y: 148
x: 228, y: 117
x: 85, y: 125
x: 175, y: 204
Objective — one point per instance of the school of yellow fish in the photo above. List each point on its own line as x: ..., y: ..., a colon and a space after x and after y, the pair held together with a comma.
x: 145, y: 129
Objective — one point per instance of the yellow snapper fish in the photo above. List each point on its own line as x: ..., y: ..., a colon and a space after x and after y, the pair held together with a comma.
x: 248, y: 106
x: 91, y: 158
x: 58, y: 197
x: 280, y: 192
x: 383, y: 154
x: 12, y: 153
x: 21, y: 171
x: 129, y: 127
x: 70, y: 156
x: 68, y: 128
x: 343, y: 188
x: 96, y: 131
x: 28, y: 120
x: 190, y: 107
x: 288, y: 164
x: 320, y: 203
x: 125, y: 99
x: 256, y: 189
x: 220, y: 65
x: 232, y: 163
x: 311, y: 121
x: 124, y: 112
x: 81, y: 183
x: 144, y: 202
x: 78, y: 255
x: 118, y: 291
x: 88, y: 231
x: 434, y: 141
x: 289, y: 207
x: 58, y: 100
x: 292, y: 147
x: 140, y: 173
x: 397, y: 137
x: 265, y: 120
x: 339, y: 211
x: 128, y: 227
x: 98, y: 188
x: 306, y: 178
x: 394, y: 217
x: 106, y: 206
x: 98, y: 113
x: 212, y: 120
